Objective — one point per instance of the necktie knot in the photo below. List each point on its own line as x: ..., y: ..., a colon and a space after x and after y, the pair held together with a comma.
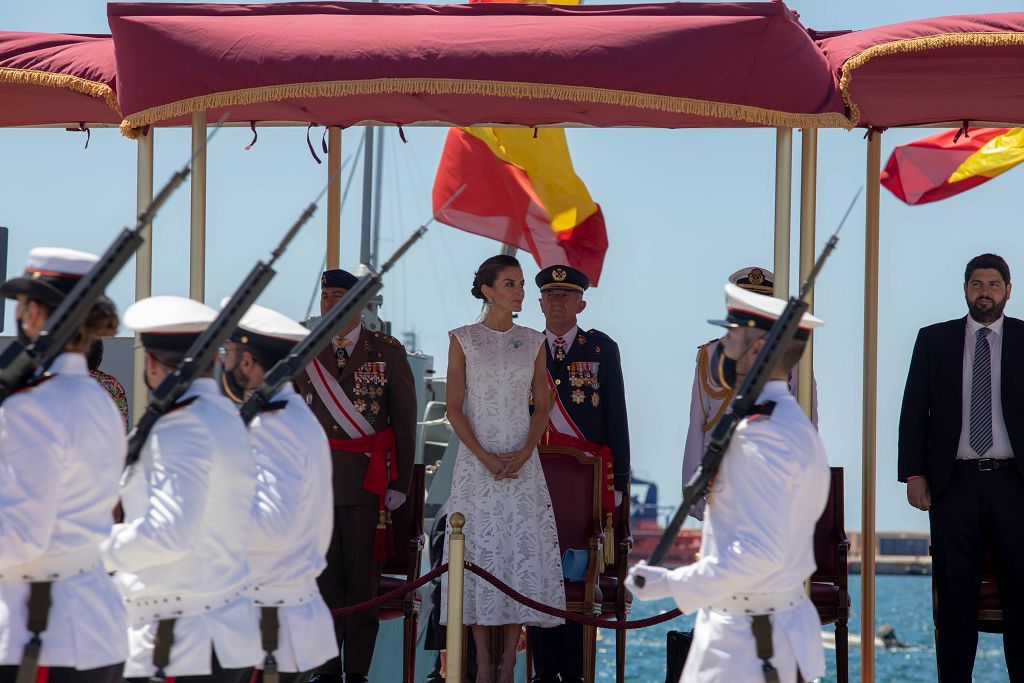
x: 983, y: 333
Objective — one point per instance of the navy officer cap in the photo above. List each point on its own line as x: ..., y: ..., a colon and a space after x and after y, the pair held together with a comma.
x: 562, y: 277
x: 338, y: 278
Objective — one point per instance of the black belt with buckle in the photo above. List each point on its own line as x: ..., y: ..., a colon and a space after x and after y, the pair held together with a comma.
x: 987, y: 464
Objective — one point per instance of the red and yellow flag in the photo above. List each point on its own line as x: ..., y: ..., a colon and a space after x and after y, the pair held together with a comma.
x: 946, y: 163
x: 522, y: 190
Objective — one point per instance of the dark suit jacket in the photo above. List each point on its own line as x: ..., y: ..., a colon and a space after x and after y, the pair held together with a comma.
x: 602, y: 420
x: 396, y: 407
x: 932, y: 413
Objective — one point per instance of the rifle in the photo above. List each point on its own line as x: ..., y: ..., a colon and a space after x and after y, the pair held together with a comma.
x: 20, y: 362
x: 205, y: 348
x: 337, y: 319
x: 775, y: 345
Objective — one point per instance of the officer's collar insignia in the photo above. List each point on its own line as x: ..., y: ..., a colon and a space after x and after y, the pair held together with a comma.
x: 559, y: 275
x: 581, y: 339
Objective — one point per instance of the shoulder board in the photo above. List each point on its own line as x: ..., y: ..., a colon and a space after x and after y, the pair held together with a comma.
x: 708, y: 343
x: 274, y: 405
x: 387, y: 339
x: 598, y: 334
x: 183, y: 403
x: 35, y: 382
x: 761, y: 410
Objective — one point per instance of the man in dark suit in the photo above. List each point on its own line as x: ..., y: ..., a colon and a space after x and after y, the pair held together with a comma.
x: 588, y: 412
x: 960, y: 430
x: 362, y: 391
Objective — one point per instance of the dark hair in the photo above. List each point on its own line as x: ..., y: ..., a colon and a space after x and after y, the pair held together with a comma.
x: 487, y: 273
x: 94, y: 356
x: 101, y: 321
x: 992, y: 261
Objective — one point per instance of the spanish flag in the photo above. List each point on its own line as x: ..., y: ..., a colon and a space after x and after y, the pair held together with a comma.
x: 951, y: 162
x: 522, y: 190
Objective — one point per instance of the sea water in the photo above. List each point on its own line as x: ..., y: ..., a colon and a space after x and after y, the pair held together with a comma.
x: 903, y: 602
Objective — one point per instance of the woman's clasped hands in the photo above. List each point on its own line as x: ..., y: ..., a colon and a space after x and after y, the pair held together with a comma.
x: 506, y: 465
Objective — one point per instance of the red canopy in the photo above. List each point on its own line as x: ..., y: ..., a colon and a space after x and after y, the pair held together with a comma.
x: 341, y: 63
x: 933, y: 71
x: 56, y: 78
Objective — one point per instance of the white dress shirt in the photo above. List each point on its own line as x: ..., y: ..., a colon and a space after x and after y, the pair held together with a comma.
x: 294, y: 514
x: 1001, y: 448
x: 759, y: 538
x: 62, y: 449
x: 569, y: 337
x: 181, y: 551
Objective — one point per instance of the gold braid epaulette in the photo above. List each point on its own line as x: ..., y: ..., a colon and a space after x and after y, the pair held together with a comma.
x: 722, y: 394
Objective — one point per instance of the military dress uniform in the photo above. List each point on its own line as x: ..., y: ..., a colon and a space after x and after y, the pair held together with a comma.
x: 367, y: 395
x: 757, y: 547
x: 61, y: 453
x: 179, y: 556
x: 292, y: 510
x: 709, y: 399
x: 589, y: 405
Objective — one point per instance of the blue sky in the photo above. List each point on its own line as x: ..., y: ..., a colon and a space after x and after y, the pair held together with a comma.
x: 684, y: 209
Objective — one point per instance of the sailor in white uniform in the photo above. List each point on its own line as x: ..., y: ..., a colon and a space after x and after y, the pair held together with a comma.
x: 709, y: 399
x: 61, y: 453
x: 757, y: 549
x: 179, y: 556
x: 294, y: 505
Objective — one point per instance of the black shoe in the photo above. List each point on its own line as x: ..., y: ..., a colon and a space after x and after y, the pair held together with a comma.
x: 355, y: 678
x: 572, y: 678
x: 545, y: 678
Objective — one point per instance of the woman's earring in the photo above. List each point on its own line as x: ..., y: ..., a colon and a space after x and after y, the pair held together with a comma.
x: 490, y: 302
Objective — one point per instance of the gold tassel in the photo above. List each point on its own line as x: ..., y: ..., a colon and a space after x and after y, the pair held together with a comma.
x: 53, y: 80
x: 609, y: 541
x: 481, y: 88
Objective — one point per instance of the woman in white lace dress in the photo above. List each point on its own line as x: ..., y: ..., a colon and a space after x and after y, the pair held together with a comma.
x: 498, y: 483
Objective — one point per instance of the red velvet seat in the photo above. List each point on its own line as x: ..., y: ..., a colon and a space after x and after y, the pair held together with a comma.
x: 829, y: 591
x: 574, y: 480
x: 403, y: 565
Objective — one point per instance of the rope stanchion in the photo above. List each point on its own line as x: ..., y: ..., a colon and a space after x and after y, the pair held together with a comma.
x: 390, y: 595
x: 570, y: 616
x: 456, y: 579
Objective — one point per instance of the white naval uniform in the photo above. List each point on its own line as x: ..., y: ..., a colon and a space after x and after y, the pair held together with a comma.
x: 61, y: 453
x: 708, y: 403
x: 294, y: 516
x: 181, y: 551
x: 758, y: 538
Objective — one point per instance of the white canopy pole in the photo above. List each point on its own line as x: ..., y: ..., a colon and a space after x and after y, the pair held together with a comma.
x: 334, y: 197
x: 783, y: 201
x: 808, y: 211
x: 867, y: 553
x: 197, y: 236
x: 143, y: 259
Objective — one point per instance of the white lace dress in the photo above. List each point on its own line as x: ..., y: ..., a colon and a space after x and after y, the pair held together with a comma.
x: 510, y: 527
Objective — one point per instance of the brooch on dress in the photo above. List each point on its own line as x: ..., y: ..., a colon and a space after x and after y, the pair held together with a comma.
x: 516, y: 343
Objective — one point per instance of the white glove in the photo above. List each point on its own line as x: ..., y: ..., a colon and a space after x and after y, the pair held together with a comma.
x: 393, y: 499
x: 656, y: 584
x: 618, y: 498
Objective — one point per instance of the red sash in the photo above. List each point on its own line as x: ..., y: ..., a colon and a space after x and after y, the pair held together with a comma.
x: 379, y: 475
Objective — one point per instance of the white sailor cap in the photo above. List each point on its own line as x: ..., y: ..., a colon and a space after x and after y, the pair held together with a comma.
x: 50, y: 274
x: 269, y: 333
x: 749, y: 309
x: 168, y: 323
x: 754, y: 279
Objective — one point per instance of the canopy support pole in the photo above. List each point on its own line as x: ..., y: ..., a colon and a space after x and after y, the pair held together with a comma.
x: 197, y: 237
x: 808, y: 210
x: 333, y: 197
x: 143, y: 260
x: 869, y: 413
x: 366, y: 241
x: 783, y: 201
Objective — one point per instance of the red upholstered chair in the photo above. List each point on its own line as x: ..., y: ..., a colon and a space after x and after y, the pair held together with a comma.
x: 403, y: 565
x: 829, y: 582
x: 612, y: 582
x: 574, y: 479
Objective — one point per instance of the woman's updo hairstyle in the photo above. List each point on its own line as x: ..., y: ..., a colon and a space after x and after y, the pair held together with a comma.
x: 487, y: 273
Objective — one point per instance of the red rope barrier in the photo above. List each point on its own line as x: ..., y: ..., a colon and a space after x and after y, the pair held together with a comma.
x: 390, y: 595
x: 570, y: 616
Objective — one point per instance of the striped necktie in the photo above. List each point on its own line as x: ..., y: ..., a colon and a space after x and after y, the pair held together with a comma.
x: 981, y: 395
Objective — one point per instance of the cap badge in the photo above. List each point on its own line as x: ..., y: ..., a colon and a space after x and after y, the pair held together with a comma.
x: 756, y: 276
x: 323, y: 280
x: 559, y: 275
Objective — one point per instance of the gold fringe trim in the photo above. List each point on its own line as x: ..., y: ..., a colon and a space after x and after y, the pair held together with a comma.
x: 51, y: 80
x: 907, y: 45
x: 506, y: 89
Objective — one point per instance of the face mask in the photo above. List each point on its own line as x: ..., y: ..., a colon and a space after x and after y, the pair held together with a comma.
x: 723, y: 368
x: 230, y: 385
